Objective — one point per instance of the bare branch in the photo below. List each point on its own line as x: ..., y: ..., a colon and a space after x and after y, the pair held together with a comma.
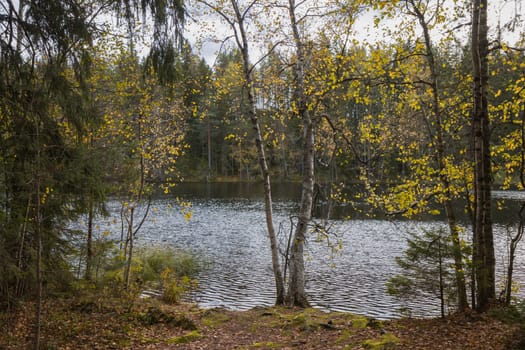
x: 272, y: 49
x: 345, y: 138
x: 248, y: 8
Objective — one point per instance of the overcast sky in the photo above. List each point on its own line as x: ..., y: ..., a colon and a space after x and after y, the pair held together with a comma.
x: 205, y: 33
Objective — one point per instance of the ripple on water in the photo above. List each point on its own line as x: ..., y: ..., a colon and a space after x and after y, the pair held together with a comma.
x: 231, y: 236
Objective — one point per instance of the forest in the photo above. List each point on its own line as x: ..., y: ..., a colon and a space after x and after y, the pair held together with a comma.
x: 399, y: 107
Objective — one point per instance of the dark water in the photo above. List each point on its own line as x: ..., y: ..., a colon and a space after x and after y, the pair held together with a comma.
x: 228, y: 229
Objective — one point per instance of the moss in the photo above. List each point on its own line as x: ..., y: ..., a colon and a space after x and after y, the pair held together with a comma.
x: 299, y: 321
x: 186, y: 338
x: 214, y: 317
x: 268, y: 345
x: 307, y: 320
x: 148, y: 340
x: 345, y: 335
x: 387, y: 341
x: 123, y: 343
x: 359, y: 322
x: 270, y: 313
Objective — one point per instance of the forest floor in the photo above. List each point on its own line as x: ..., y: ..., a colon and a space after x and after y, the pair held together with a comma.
x: 148, y: 324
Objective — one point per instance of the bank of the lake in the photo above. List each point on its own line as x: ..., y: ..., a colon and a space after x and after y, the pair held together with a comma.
x: 96, y: 323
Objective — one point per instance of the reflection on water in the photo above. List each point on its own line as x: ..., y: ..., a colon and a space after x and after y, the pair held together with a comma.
x: 228, y: 230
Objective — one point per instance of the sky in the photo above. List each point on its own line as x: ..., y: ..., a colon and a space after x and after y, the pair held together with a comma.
x: 207, y: 42
x: 206, y: 32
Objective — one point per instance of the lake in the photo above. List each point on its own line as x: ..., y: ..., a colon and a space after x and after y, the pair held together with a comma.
x: 228, y: 230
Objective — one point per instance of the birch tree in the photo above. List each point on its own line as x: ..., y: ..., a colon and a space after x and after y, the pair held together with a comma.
x: 435, y: 106
x: 296, y: 293
x: 236, y: 15
x: 310, y: 89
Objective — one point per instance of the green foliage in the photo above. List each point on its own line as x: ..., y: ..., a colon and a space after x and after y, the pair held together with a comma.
x: 157, y: 260
x: 46, y: 174
x: 174, y: 287
x: 513, y: 314
x: 427, y: 266
x: 171, y: 271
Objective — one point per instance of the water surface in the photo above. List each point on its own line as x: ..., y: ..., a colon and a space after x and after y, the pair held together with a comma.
x: 228, y: 230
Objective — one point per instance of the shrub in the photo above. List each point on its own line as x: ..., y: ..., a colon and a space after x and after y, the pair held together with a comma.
x: 172, y: 271
x: 156, y: 260
x: 427, y: 269
x: 174, y: 287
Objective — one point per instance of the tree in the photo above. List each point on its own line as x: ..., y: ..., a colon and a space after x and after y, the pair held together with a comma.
x: 437, y: 118
x: 421, y: 79
x: 168, y: 26
x: 428, y: 267
x: 144, y: 128
x: 483, y: 241
x: 236, y: 18
x: 151, y: 127
x: 296, y: 293
x: 274, y: 93
x: 508, y: 139
x: 43, y: 66
x: 195, y: 78
x: 229, y: 108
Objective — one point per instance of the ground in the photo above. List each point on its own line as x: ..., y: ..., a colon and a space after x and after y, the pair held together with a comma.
x: 149, y: 324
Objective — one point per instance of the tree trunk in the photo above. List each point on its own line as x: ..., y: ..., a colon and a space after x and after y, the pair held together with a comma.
x: 296, y: 283
x: 521, y: 225
x: 441, y: 284
x: 296, y: 292
x: 127, y: 272
x: 469, y: 208
x: 20, y: 255
x: 242, y: 43
x: 512, y: 255
x: 89, y: 241
x: 208, y: 134
x: 459, y: 270
x: 91, y: 217
x: 483, y: 259
x: 38, y: 239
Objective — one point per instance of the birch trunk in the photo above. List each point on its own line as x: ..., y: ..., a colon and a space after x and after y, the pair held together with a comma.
x: 296, y: 295
x: 242, y: 43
